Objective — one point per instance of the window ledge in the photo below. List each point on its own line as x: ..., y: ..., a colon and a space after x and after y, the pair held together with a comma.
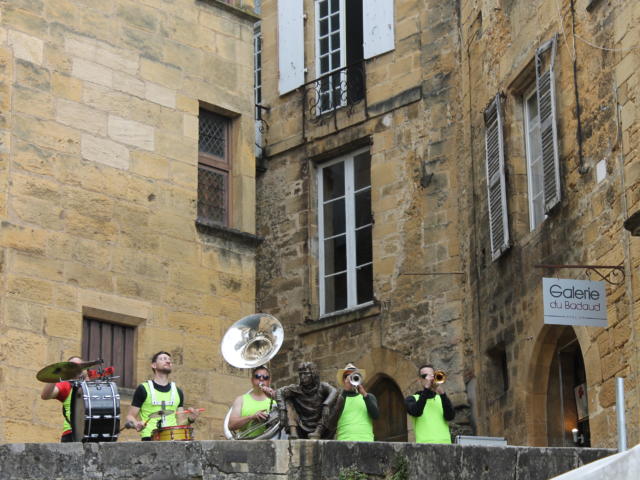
x: 341, y: 317
x: 243, y: 12
x: 227, y: 233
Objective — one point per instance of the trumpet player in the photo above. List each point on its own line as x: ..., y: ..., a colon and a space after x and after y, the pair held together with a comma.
x: 430, y: 408
x: 253, y: 407
x: 356, y: 409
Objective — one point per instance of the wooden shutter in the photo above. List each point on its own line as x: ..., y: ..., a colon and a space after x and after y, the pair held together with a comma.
x: 290, y: 45
x: 496, y: 184
x: 546, y: 94
x: 377, y: 27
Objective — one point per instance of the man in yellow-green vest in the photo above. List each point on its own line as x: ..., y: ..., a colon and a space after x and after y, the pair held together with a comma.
x: 252, y: 408
x: 430, y: 409
x: 61, y: 391
x: 355, y: 409
x: 157, y: 395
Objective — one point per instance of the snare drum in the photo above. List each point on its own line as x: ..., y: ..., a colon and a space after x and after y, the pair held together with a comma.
x: 95, y: 412
x: 177, y: 432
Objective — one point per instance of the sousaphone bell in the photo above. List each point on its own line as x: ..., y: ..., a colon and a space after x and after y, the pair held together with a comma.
x: 250, y: 342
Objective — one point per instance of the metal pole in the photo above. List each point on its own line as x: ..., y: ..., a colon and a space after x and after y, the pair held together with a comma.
x: 622, y: 429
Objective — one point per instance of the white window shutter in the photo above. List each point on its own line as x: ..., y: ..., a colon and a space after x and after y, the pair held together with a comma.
x: 496, y: 182
x: 290, y: 45
x: 377, y: 27
x: 546, y: 93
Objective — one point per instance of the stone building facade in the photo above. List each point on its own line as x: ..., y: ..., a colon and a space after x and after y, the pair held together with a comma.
x: 358, y: 203
x: 403, y: 265
x: 528, y: 372
x: 127, y: 196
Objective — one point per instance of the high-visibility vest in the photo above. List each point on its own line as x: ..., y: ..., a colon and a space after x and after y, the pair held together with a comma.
x: 66, y: 411
x: 354, y: 424
x: 431, y: 427
x: 153, y: 403
x: 251, y: 406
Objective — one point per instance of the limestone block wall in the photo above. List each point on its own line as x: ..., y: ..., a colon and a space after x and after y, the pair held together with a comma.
x: 412, y: 131
x: 99, y: 105
x: 282, y: 459
x: 596, y: 131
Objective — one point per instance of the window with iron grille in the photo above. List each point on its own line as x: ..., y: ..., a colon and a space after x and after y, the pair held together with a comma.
x: 112, y: 343
x: 213, y: 168
x: 345, y: 224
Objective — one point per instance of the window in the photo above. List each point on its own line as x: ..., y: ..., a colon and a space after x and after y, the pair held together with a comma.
x: 338, y: 44
x: 345, y: 33
x: 257, y: 86
x: 534, y: 160
x: 496, y: 182
x: 541, y: 138
x: 213, y: 169
x: 112, y: 343
x: 345, y: 227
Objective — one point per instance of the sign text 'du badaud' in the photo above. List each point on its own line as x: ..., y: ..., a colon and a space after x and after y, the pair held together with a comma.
x: 574, y: 302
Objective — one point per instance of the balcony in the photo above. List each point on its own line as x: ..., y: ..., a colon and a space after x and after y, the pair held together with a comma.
x: 334, y: 96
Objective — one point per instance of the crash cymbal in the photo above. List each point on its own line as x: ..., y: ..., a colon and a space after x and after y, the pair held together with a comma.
x: 63, y: 371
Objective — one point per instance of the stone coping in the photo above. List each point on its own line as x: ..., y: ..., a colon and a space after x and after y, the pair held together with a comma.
x: 283, y: 459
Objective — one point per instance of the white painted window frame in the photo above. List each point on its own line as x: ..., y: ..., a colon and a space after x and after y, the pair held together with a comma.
x: 343, y: 54
x: 529, y: 138
x: 350, y: 219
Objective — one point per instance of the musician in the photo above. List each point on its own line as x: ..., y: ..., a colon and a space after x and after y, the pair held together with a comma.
x: 253, y: 407
x: 355, y: 408
x: 430, y: 409
x: 157, y: 395
x: 305, y: 408
x: 61, y: 391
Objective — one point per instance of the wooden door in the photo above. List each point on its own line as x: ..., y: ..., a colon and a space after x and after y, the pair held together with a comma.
x: 392, y: 424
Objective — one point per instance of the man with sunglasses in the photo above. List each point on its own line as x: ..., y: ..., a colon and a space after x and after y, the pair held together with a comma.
x: 430, y: 409
x: 254, y: 406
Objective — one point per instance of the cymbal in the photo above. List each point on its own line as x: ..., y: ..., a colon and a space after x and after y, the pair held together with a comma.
x: 63, y: 371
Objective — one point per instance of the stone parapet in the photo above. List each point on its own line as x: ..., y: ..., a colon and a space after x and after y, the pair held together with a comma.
x: 282, y: 459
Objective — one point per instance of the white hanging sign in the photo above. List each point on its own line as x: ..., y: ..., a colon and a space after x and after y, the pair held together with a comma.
x: 574, y: 302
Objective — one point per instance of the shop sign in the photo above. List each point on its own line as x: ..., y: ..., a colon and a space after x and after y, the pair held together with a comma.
x: 574, y: 302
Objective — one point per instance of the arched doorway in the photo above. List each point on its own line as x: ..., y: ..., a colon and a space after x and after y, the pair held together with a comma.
x: 567, y: 406
x: 392, y: 424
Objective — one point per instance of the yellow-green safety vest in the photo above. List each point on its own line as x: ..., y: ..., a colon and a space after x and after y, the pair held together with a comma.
x: 153, y: 403
x: 431, y: 427
x: 355, y: 424
x: 251, y: 406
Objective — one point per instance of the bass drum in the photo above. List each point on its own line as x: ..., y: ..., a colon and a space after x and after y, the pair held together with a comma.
x: 95, y: 412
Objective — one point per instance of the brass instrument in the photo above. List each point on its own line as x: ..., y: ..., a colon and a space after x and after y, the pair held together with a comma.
x: 356, y: 379
x: 439, y: 377
x: 250, y: 342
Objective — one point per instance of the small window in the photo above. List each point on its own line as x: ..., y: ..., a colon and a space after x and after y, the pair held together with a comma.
x: 213, y: 169
x: 345, y: 229
x: 112, y: 343
x: 498, y: 373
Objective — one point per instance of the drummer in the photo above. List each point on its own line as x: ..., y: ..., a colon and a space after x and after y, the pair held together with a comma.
x: 61, y: 391
x: 158, y: 395
x: 253, y: 407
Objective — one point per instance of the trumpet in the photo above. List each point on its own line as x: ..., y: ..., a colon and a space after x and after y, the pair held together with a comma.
x: 356, y: 379
x: 439, y: 377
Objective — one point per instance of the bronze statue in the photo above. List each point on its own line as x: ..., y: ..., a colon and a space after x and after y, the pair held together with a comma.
x: 305, y: 408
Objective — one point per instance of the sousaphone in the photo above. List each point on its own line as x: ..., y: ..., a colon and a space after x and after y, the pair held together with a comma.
x: 250, y: 342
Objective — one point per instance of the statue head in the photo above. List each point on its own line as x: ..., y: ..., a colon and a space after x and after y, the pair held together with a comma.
x: 308, y: 374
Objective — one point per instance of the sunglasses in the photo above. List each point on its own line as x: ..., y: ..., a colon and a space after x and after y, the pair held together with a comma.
x: 425, y: 375
x: 261, y: 377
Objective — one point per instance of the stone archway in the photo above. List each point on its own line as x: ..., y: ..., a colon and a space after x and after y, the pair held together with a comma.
x: 392, y: 424
x: 557, y: 372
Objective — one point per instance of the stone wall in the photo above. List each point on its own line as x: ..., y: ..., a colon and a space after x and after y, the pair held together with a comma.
x: 281, y: 459
x: 99, y: 105
x: 410, y: 125
x: 500, y: 39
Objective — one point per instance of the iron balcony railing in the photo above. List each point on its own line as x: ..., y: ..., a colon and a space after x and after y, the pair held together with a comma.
x: 341, y: 89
